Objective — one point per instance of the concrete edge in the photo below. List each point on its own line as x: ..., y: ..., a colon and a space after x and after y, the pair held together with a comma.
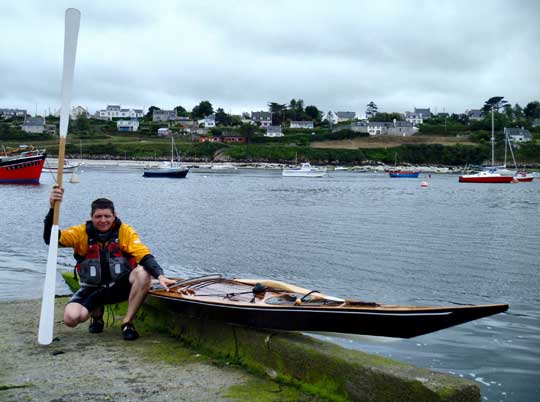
x: 318, y: 367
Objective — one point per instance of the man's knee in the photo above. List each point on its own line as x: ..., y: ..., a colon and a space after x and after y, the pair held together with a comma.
x: 141, y: 278
x: 74, y: 314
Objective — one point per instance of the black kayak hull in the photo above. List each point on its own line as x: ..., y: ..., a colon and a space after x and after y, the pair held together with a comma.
x: 379, y: 321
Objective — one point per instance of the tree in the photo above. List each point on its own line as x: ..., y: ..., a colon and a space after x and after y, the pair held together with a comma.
x: 150, y: 113
x: 277, y: 110
x: 532, y: 110
x: 495, y: 103
x: 222, y: 118
x: 203, y: 109
x: 313, y: 113
x: 387, y: 117
x: 181, y: 111
x: 518, y: 112
x: 371, y: 110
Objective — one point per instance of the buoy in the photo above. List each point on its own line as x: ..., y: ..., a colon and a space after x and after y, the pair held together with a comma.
x: 424, y: 184
x: 74, y: 179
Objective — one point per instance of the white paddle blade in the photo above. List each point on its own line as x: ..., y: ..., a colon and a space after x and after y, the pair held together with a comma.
x: 73, y: 19
x: 46, y: 320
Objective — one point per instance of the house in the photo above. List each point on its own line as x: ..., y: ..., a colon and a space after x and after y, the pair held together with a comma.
x: 50, y: 129
x: 535, y: 123
x: 164, y: 132
x: 401, y: 128
x: 78, y: 111
x: 163, y: 115
x: 273, y: 131
x: 302, y: 124
x: 345, y: 116
x: 34, y: 125
x: 359, y: 126
x: 264, y: 118
x: 474, y: 114
x: 518, y: 134
x: 418, y: 116
x: 331, y: 117
x: 12, y: 113
x: 208, y: 121
x: 127, y: 125
x: 115, y: 111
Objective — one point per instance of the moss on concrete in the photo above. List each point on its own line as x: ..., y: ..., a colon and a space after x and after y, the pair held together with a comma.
x: 308, y: 365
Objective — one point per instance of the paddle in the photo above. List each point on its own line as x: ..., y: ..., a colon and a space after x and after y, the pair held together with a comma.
x: 46, y: 321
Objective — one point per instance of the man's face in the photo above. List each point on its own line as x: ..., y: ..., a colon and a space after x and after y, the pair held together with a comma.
x: 103, y: 219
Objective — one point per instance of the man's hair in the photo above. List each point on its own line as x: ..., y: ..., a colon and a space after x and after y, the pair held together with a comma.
x: 102, y: 203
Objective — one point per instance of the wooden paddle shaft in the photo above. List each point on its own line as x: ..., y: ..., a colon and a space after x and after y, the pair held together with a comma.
x: 59, y: 177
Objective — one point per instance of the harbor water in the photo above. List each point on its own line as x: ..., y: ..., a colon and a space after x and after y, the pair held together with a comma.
x: 355, y: 235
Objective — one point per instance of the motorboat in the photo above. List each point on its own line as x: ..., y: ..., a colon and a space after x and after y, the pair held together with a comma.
x: 305, y: 170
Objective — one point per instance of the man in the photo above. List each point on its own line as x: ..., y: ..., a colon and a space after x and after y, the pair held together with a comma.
x: 113, y: 265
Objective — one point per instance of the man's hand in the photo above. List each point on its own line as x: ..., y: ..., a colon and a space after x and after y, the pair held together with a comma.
x: 56, y: 195
x: 165, y: 282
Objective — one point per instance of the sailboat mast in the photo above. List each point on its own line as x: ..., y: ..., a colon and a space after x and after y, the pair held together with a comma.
x: 172, y: 149
x: 492, y: 135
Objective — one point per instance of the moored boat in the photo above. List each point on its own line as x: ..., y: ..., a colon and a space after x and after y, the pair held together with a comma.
x: 305, y: 170
x: 69, y: 167
x: 22, y: 168
x: 268, y: 304
x: 485, y: 177
x: 169, y: 169
x: 524, y: 177
x: 404, y: 173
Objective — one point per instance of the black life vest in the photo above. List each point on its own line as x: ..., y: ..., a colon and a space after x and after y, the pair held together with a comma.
x: 104, y: 262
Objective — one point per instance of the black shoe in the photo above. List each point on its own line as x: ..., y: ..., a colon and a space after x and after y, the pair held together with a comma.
x: 96, y: 323
x: 128, y: 332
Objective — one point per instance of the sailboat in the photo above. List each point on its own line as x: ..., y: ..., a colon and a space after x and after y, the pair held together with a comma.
x: 490, y: 174
x: 168, y: 169
x: 521, y: 176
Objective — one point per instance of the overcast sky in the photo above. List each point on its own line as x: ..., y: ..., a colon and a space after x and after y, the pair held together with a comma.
x: 240, y: 55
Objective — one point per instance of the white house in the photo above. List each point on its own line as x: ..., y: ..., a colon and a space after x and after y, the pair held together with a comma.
x: 345, y: 116
x: 33, y: 125
x: 78, y: 111
x: 12, y: 112
x: 164, y: 115
x: 273, y: 131
x: 115, y: 111
x: 518, y: 134
x: 127, y: 125
x: 418, y: 116
x: 302, y: 124
x: 475, y: 114
x: 164, y: 132
x: 402, y: 128
x: 264, y: 118
x: 208, y: 121
x: 331, y: 117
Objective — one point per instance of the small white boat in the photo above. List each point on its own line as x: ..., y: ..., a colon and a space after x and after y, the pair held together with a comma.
x: 69, y: 167
x: 305, y: 170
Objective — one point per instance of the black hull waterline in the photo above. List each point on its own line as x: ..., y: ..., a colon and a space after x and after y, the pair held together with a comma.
x: 177, y: 174
x: 391, y: 322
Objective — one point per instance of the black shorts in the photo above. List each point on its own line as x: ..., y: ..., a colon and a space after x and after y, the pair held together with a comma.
x: 95, y: 297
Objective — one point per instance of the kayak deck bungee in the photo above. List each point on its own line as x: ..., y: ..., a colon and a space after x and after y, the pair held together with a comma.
x: 267, y: 304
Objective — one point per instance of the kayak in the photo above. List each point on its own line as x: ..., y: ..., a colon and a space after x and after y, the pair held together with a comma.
x: 268, y: 304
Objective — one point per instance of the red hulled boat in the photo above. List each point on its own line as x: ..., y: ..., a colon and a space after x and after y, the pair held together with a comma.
x: 485, y: 177
x: 22, y: 168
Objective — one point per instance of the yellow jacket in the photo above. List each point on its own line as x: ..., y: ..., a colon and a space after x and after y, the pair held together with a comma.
x: 128, y: 239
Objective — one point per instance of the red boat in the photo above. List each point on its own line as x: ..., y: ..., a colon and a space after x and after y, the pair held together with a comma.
x: 485, y: 177
x: 22, y: 168
x: 524, y: 176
